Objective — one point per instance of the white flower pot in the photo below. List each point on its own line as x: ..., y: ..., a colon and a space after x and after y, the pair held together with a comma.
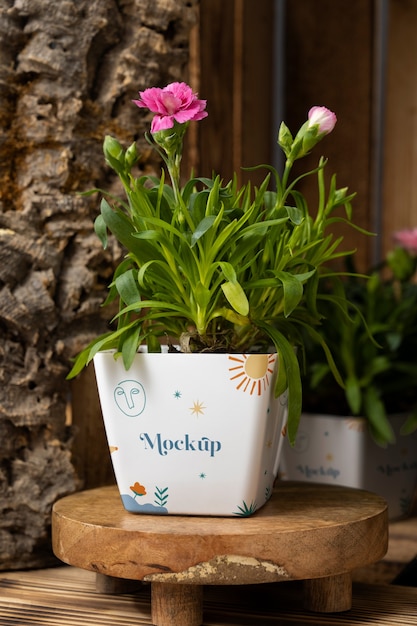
x: 196, y: 434
x: 339, y: 450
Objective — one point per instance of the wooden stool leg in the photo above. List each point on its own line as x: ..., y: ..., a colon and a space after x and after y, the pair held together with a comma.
x: 176, y: 605
x: 329, y: 595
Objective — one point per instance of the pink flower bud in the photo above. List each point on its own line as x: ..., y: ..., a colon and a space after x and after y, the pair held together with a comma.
x: 323, y: 117
x: 407, y: 239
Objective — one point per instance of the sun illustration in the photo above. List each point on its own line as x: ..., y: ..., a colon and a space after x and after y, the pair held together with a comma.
x: 197, y: 408
x: 252, y: 372
x: 358, y: 424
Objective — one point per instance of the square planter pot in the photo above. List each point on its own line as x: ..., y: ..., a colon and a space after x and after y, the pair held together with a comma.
x: 195, y: 434
x: 340, y: 451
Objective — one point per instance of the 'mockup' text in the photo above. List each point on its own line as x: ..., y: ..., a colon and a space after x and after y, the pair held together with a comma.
x: 186, y: 444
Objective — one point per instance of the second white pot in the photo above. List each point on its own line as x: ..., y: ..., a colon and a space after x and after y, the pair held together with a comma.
x: 340, y: 451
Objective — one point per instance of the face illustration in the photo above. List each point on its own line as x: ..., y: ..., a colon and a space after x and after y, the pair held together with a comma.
x: 130, y: 397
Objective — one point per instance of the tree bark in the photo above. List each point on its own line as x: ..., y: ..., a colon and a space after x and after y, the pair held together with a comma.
x: 68, y: 71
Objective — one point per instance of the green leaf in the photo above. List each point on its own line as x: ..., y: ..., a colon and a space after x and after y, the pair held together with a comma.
x: 202, y: 295
x: 161, y: 226
x: 236, y: 297
x: 317, y: 374
x: 198, y: 203
x: 289, y: 378
x: 228, y: 271
x: 410, y: 424
x: 155, y: 305
x: 353, y: 394
x: 127, y: 287
x: 293, y: 291
x: 292, y: 371
x: 119, y: 224
x: 270, y: 198
x: 205, y: 224
x: 100, y: 229
x: 295, y: 214
x: 380, y: 426
x: 376, y: 365
x: 316, y: 336
x: 224, y: 240
x: 81, y: 361
x: 123, y: 266
x: 150, y: 235
x: 231, y: 316
x: 153, y: 344
x: 129, y: 345
x: 103, y: 342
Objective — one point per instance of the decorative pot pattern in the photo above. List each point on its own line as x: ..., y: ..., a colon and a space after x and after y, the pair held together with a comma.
x: 195, y: 434
x: 339, y: 450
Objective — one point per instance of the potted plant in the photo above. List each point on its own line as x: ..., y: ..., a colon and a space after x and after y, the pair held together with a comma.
x: 215, y: 274
x: 376, y: 357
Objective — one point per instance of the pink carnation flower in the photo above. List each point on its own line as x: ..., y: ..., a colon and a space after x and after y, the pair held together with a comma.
x: 407, y: 239
x: 175, y: 102
x: 322, y: 116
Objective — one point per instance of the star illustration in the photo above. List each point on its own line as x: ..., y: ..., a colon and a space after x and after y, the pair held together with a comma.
x: 177, y: 394
x: 202, y: 475
x: 197, y: 408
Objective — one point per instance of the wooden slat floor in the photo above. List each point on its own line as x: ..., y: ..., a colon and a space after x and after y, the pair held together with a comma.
x: 66, y: 596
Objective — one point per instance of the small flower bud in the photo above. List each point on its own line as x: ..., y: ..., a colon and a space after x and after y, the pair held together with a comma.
x: 114, y: 153
x: 407, y: 239
x: 112, y: 148
x: 285, y: 138
x: 131, y: 156
x: 170, y: 139
x: 321, y: 122
x: 323, y: 118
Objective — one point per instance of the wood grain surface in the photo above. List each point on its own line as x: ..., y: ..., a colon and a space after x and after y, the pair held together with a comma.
x: 67, y: 596
x: 303, y: 532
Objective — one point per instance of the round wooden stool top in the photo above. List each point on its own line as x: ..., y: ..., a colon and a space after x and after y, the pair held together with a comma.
x: 303, y: 532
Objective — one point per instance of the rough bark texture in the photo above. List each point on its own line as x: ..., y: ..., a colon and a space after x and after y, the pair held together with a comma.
x: 68, y: 71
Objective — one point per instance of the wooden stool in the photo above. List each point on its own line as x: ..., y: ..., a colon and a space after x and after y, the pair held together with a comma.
x: 314, y: 533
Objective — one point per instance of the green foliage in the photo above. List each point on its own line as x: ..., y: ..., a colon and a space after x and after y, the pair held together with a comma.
x: 373, y: 337
x: 228, y: 268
